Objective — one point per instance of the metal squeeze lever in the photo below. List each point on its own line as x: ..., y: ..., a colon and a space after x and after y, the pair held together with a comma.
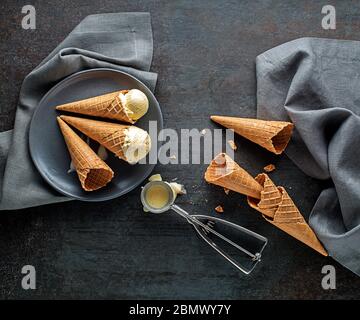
x: 211, y: 229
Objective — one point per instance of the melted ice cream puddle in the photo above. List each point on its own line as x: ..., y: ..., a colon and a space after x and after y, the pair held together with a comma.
x: 157, y: 196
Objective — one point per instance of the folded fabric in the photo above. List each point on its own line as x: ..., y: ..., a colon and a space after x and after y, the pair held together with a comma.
x: 121, y: 41
x: 315, y: 84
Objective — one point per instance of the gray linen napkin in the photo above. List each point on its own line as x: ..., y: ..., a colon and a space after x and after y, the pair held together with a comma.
x: 122, y: 41
x: 316, y: 84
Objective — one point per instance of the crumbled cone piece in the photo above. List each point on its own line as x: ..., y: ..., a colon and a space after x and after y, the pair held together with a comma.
x: 219, y: 209
x: 269, y: 168
x: 203, y: 132
x: 173, y: 157
x: 226, y: 191
x: 232, y: 144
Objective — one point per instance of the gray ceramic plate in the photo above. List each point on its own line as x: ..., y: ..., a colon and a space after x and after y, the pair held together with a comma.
x: 47, y: 146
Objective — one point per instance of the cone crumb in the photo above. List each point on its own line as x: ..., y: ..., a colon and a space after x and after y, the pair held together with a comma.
x: 232, y: 144
x: 203, y: 132
x: 269, y: 168
x: 219, y: 209
x: 226, y: 191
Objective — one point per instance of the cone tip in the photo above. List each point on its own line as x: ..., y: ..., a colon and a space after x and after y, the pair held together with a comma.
x: 215, y: 118
x: 62, y: 124
x: 65, y: 118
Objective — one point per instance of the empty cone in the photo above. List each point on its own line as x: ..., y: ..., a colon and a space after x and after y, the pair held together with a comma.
x: 93, y: 172
x: 225, y: 172
x: 284, y: 214
x: 110, y: 105
x: 271, y: 135
x: 129, y: 143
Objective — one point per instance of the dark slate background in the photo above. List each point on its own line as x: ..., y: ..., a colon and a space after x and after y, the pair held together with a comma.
x: 204, y: 53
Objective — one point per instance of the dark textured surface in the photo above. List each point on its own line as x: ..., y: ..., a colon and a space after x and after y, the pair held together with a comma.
x: 204, y: 52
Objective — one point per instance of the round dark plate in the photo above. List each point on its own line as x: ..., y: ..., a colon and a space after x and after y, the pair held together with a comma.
x: 47, y: 146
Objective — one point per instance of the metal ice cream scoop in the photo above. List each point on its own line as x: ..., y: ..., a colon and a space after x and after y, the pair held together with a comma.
x: 158, y: 197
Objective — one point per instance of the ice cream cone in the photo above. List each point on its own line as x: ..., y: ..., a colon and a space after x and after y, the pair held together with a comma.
x: 278, y: 209
x: 110, y: 105
x: 271, y: 135
x: 93, y: 172
x: 225, y: 172
x: 129, y: 143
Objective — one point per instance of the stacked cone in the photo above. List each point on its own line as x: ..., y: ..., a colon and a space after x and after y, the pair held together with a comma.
x: 289, y: 219
x: 271, y: 135
x: 264, y: 196
x: 278, y: 209
x: 112, y: 136
x: 106, y: 106
x: 93, y: 172
x: 225, y: 172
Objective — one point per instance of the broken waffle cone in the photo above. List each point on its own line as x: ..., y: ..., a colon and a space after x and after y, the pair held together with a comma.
x: 110, y: 105
x: 278, y: 209
x: 129, y: 143
x: 271, y: 135
x: 93, y: 172
x: 225, y: 172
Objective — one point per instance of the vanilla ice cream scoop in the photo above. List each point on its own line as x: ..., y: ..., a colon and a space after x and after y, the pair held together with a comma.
x: 135, y: 102
x: 137, y: 144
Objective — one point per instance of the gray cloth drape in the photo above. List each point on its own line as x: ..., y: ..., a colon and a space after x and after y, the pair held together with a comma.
x: 122, y: 41
x: 316, y: 84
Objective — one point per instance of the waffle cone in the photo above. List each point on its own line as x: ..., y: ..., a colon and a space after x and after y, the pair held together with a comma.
x: 111, y: 135
x: 278, y: 209
x: 225, y: 172
x: 105, y: 106
x: 271, y: 135
x: 93, y: 172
